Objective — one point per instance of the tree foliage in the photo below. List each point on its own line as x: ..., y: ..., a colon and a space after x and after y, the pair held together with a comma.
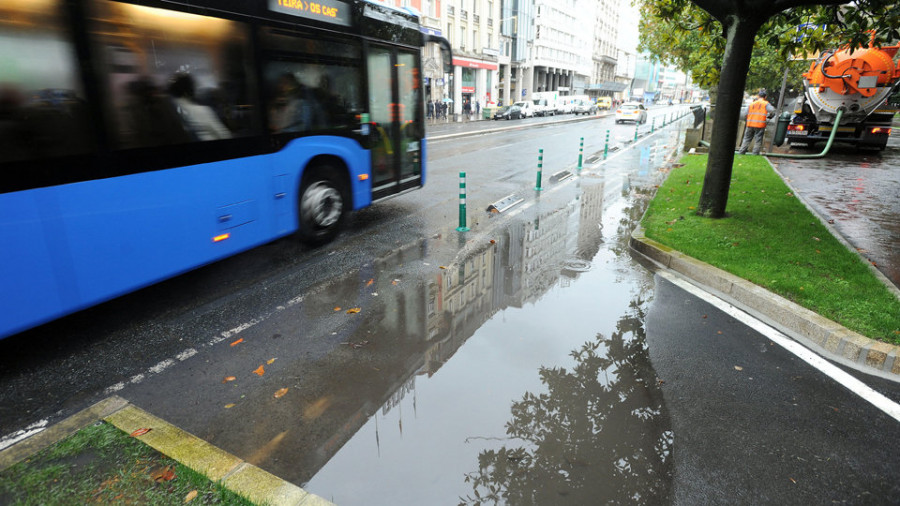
x: 696, y: 34
x: 692, y: 40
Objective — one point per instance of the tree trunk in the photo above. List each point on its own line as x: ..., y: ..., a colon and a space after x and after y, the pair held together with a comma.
x: 740, y: 33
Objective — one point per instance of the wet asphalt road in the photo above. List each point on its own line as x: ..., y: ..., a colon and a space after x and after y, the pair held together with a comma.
x: 530, y: 357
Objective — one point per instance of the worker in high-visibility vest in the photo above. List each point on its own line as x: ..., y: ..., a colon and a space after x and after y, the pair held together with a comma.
x: 757, y: 114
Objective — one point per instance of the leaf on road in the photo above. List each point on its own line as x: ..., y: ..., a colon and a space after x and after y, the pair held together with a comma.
x: 229, y: 405
x: 239, y: 341
x: 228, y: 378
x: 395, y: 282
x: 369, y: 283
x: 280, y: 393
x: 738, y: 368
x: 140, y: 432
x: 353, y: 310
x: 161, y: 474
x: 337, y: 308
x: 190, y: 496
x: 259, y: 371
x: 443, y: 267
x: 269, y: 362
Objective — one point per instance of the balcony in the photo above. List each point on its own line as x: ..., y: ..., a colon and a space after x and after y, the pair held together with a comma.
x: 451, y: 11
x: 490, y: 22
x: 476, y: 18
x: 463, y: 14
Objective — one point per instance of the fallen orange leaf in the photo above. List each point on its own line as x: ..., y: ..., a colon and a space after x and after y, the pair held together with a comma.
x: 337, y: 308
x: 229, y: 405
x: 280, y: 393
x: 190, y: 496
x: 161, y: 474
x: 353, y: 310
x: 140, y: 432
x: 269, y: 362
x: 370, y: 282
x: 259, y: 371
x: 239, y: 341
x: 228, y: 378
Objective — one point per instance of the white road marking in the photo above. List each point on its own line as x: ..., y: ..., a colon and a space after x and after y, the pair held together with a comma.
x: 17, y: 436
x: 856, y: 386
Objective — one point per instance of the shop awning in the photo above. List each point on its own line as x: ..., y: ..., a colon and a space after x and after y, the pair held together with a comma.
x: 607, y: 86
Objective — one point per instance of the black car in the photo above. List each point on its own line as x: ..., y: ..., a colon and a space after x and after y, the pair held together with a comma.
x: 509, y: 112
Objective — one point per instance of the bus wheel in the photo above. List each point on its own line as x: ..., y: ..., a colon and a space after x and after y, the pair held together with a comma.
x: 322, y: 206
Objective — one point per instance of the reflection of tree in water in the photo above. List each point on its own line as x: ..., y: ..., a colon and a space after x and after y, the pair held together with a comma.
x: 600, y: 435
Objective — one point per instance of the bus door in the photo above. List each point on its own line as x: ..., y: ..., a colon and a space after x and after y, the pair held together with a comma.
x: 394, y: 98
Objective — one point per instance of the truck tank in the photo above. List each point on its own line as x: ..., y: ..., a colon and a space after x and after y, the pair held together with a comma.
x: 859, y: 82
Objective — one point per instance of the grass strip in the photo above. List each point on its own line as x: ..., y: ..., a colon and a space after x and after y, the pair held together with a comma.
x: 102, y: 465
x: 771, y: 239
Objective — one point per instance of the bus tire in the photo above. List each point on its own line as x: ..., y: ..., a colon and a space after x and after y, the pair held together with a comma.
x: 323, y: 205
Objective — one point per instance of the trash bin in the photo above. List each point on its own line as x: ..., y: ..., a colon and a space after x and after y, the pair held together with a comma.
x: 781, y: 128
x: 486, y: 113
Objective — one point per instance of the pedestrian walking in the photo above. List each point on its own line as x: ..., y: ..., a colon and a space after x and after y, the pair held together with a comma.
x: 757, y: 114
x: 477, y: 109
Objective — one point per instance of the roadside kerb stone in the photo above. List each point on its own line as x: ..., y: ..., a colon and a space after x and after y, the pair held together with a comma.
x: 257, y: 485
x: 829, y: 337
x: 57, y: 432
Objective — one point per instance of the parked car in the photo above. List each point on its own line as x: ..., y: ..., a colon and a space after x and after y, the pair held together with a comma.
x: 584, y: 107
x: 631, y: 111
x: 509, y: 112
x: 604, y: 103
x: 527, y: 108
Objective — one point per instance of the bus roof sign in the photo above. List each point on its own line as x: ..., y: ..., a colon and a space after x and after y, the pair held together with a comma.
x: 329, y: 11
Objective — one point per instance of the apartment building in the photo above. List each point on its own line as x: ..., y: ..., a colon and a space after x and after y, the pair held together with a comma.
x: 505, y: 50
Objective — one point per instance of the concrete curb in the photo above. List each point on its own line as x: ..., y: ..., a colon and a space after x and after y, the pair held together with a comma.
x: 247, y: 480
x: 810, y: 329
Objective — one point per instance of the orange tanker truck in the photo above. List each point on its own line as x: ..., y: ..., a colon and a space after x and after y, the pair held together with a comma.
x: 860, y: 82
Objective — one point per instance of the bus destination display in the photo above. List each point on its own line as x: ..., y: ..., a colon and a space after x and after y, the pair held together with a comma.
x: 330, y: 11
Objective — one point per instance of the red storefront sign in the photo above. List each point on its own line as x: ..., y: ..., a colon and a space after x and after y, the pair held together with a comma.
x: 474, y: 64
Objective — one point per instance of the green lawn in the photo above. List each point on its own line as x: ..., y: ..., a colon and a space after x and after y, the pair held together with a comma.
x: 102, y: 465
x: 772, y: 240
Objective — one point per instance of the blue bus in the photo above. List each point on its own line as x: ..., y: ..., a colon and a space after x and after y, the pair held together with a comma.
x: 142, y: 139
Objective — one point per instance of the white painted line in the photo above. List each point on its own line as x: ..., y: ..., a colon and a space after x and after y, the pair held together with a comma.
x: 17, y: 436
x: 856, y: 386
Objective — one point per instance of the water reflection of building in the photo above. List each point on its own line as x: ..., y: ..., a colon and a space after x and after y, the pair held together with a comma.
x: 413, y: 326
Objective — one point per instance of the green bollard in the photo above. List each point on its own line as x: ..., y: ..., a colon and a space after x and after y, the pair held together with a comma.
x: 653, y: 125
x: 635, y: 131
x: 540, y: 169
x: 462, y: 203
x: 606, y: 146
x: 580, y: 153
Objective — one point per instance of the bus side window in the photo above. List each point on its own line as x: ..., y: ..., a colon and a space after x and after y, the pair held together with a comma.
x: 42, y: 107
x: 172, y: 78
x: 312, y: 84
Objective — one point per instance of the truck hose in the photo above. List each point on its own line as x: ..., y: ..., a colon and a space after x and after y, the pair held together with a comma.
x: 834, y: 129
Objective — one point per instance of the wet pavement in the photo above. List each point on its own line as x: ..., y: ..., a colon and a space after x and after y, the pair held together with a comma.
x: 511, y: 357
x: 530, y: 360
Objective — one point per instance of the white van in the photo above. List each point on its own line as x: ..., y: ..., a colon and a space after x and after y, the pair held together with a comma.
x: 527, y: 107
x: 544, y: 107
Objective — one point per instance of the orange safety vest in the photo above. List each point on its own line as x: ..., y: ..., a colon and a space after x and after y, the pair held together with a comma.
x: 756, y: 114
